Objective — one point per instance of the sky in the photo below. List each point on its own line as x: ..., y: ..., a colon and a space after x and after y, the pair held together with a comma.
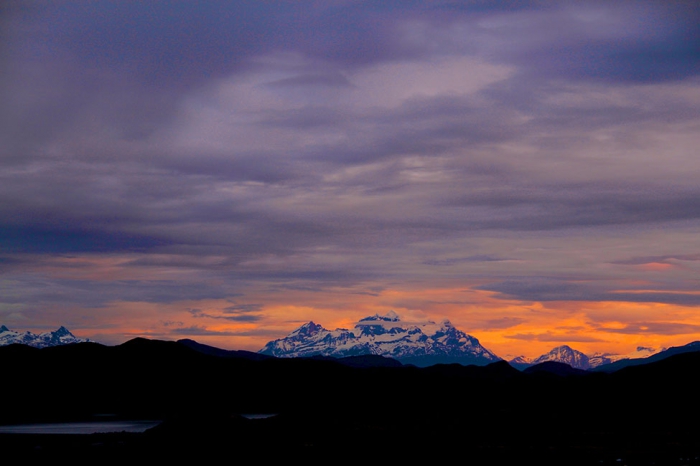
x: 227, y: 171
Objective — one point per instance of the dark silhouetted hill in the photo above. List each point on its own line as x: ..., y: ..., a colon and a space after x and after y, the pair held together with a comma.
x: 214, y: 351
x: 494, y: 414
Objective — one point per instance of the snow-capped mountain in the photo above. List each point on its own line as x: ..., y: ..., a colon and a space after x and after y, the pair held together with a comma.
x: 422, y: 344
x: 62, y: 336
x: 567, y: 355
x: 520, y: 362
x: 579, y: 360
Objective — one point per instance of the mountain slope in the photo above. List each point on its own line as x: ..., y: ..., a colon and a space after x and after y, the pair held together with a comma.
x: 214, y: 351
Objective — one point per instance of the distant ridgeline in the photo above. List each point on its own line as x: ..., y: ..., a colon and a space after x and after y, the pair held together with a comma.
x: 62, y: 336
x: 427, y: 343
x: 421, y: 344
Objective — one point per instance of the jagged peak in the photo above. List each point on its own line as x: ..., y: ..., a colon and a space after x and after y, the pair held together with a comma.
x: 390, y: 316
x: 568, y: 350
x: 4, y: 329
x: 62, y: 331
x: 565, y: 349
x: 521, y: 360
x: 310, y: 324
x: 567, y: 355
x: 393, y: 316
x: 445, y: 323
x: 308, y: 328
x: 562, y: 348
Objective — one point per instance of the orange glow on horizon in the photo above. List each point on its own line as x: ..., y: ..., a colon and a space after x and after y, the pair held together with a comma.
x: 508, y: 328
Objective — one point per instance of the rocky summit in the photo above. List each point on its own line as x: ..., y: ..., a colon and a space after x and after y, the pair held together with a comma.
x: 422, y: 344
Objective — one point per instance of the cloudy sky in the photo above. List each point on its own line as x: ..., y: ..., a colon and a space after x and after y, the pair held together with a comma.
x: 226, y: 171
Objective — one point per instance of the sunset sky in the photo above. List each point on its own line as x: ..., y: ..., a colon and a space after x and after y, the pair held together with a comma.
x: 226, y: 171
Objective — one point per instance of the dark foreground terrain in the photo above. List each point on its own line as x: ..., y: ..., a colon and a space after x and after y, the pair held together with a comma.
x: 330, y: 412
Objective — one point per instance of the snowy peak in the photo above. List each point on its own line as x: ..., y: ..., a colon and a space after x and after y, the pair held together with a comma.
x: 520, y: 360
x: 62, y: 331
x: 579, y: 360
x: 446, y: 324
x: 390, y: 316
x: 307, y: 330
x: 422, y: 343
x: 62, y: 336
x: 567, y: 355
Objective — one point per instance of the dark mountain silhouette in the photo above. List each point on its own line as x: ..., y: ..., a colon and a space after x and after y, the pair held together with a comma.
x: 214, y: 351
x: 555, y: 368
x: 361, y: 360
x: 494, y: 413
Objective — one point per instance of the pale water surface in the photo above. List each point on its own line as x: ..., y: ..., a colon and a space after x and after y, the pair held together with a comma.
x: 79, y: 427
x: 258, y: 416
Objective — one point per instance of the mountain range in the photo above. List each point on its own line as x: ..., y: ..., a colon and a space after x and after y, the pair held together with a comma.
x: 578, y: 360
x: 375, y: 340
x: 420, y: 344
x: 62, y: 336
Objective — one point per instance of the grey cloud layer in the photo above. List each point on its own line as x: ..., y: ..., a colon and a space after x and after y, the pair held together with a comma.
x: 544, y: 289
x: 313, y: 144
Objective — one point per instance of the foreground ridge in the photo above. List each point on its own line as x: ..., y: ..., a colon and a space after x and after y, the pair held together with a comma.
x: 422, y: 344
x: 498, y: 415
